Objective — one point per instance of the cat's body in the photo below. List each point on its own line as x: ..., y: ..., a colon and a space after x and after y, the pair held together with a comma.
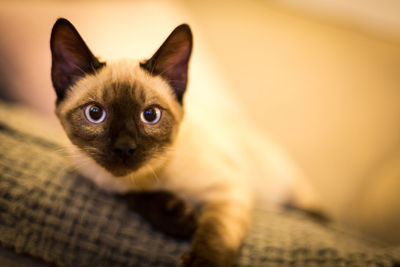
x: 199, y: 168
x: 205, y: 157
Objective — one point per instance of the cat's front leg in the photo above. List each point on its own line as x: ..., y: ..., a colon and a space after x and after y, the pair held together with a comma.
x: 165, y: 211
x: 221, y: 229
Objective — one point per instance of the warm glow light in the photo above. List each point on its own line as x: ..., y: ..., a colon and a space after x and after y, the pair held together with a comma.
x: 321, y: 79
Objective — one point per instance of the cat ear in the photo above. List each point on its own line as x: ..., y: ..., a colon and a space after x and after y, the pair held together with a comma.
x: 71, y: 58
x: 171, y: 60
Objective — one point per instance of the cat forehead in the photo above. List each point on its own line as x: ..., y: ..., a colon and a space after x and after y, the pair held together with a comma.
x: 121, y: 81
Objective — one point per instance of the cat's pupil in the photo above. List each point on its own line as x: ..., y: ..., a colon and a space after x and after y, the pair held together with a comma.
x: 150, y: 114
x: 95, y: 112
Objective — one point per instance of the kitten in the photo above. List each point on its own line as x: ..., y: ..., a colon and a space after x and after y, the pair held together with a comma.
x: 125, y: 119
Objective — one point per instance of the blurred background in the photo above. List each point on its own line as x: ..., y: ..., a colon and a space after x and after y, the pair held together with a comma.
x: 321, y: 77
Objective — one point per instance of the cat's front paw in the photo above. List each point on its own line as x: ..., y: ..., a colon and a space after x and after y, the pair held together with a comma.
x: 191, y: 259
x: 166, y: 212
x: 179, y: 219
x: 205, y: 258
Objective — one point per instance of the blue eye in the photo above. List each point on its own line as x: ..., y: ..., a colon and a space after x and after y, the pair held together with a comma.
x: 151, y: 115
x: 95, y: 114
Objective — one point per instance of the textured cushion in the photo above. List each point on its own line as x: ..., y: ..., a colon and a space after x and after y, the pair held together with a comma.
x: 48, y: 211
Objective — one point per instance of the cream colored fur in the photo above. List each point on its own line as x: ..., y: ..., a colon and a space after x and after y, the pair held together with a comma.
x: 217, y: 157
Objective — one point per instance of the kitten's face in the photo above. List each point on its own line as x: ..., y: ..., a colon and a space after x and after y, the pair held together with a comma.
x: 121, y: 121
x: 125, y: 115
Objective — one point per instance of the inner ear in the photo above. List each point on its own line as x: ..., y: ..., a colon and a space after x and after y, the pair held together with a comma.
x: 171, y: 60
x: 71, y: 57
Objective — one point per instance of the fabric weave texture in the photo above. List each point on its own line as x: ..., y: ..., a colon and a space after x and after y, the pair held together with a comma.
x: 48, y: 211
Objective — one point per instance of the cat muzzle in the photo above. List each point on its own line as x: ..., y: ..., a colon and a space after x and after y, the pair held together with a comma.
x: 124, y: 150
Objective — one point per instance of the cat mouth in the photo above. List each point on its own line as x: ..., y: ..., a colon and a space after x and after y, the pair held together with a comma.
x: 121, y: 168
x: 119, y: 172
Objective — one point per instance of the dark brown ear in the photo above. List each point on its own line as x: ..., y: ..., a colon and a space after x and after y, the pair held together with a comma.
x: 71, y: 58
x: 171, y: 60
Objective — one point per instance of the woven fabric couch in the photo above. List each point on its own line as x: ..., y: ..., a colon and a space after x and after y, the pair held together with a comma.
x: 49, y: 215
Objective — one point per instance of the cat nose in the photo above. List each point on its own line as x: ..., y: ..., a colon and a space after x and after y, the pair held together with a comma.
x: 124, y: 150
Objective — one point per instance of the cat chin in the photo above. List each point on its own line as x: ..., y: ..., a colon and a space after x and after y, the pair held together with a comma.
x: 143, y: 178
x: 117, y: 167
x: 120, y: 172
